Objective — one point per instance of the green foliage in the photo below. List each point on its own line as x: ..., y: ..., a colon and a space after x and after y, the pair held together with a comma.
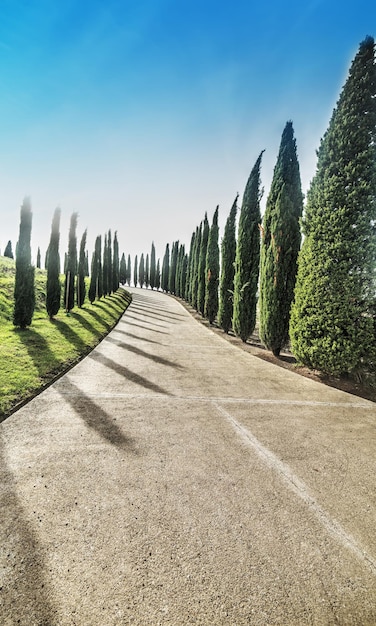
x: 24, y: 296
x: 8, y: 250
x: 105, y: 271
x: 280, y: 245
x: 247, y: 258
x: 147, y: 271
x: 81, y: 287
x: 115, y: 265
x: 152, y: 266
x: 129, y: 270
x: 96, y: 284
x: 332, y: 320
x: 212, y: 271
x: 135, y: 271
x: 71, y: 265
x: 173, y: 266
x: 141, y: 271
x: 165, y: 269
x: 123, y: 270
x: 53, y: 267
x: 158, y: 275
x: 196, y: 261
x: 202, y: 266
x: 38, y: 258
x: 188, y: 282
x: 226, y: 286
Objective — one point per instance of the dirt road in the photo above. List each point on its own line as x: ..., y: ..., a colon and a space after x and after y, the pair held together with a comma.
x: 171, y: 478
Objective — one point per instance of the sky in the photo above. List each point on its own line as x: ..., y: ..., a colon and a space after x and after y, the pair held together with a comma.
x: 142, y: 115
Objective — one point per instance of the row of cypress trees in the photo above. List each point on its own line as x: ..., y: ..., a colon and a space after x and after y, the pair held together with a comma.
x: 105, y: 270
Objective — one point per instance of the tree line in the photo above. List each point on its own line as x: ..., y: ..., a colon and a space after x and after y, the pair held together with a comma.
x: 319, y: 295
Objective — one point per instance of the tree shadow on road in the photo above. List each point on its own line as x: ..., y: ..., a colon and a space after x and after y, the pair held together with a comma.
x: 153, y: 330
x: 153, y: 357
x: 127, y: 373
x: 137, y: 337
x: 94, y: 416
x: 138, y: 319
x: 25, y: 594
x: 148, y: 312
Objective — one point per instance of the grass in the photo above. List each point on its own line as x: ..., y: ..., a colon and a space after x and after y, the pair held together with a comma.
x: 32, y: 358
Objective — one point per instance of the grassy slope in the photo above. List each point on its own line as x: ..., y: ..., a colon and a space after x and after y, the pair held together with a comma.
x: 33, y: 357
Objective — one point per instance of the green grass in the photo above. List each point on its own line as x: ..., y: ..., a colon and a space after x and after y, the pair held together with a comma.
x: 32, y: 358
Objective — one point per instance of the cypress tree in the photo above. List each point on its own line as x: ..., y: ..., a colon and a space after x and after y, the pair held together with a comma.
x: 165, y: 269
x: 86, y: 263
x: 115, y: 264
x: 135, y: 271
x: 184, y: 273
x: 247, y: 258
x: 212, y: 271
x: 81, y: 287
x: 333, y: 316
x: 196, y: 261
x: 158, y: 275
x: 226, y: 286
x: 202, y: 266
x: 38, y: 258
x: 152, y: 266
x: 109, y: 262
x: 96, y: 280
x: 280, y: 245
x: 147, y: 270
x: 123, y: 270
x: 8, y: 250
x: 71, y: 265
x: 141, y: 271
x: 53, y: 290
x: 105, y: 266
x: 129, y: 270
x: 93, y: 277
x: 46, y: 259
x: 24, y: 293
x: 188, y: 289
x: 179, y: 270
x: 173, y: 265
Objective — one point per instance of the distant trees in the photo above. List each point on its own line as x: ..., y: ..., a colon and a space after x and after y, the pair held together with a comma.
x: 202, y: 260
x: 333, y: 317
x: 8, y: 250
x: 123, y: 270
x: 280, y: 244
x: 247, y: 258
x: 165, y: 269
x: 152, y: 266
x: 135, y: 271
x: 141, y: 271
x: 96, y: 282
x: 24, y: 294
x: 53, y: 289
x: 115, y: 264
x: 38, y: 258
x: 129, y: 270
x: 226, y: 286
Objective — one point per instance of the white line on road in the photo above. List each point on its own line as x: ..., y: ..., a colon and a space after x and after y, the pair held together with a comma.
x: 300, y: 489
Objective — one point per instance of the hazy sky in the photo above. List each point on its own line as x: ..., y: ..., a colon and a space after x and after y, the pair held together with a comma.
x: 143, y: 114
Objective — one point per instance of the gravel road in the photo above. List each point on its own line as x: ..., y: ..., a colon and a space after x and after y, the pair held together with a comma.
x: 171, y: 478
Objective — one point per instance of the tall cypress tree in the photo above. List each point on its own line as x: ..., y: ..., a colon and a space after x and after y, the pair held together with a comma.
x: 226, y: 286
x: 81, y: 287
x: 212, y: 271
x: 152, y: 266
x: 105, y: 266
x: 202, y: 266
x: 165, y: 269
x: 333, y: 316
x: 53, y: 290
x: 280, y: 245
x: 24, y: 293
x: 188, y: 289
x: 173, y: 265
x: 109, y: 262
x: 93, y: 276
x: 247, y: 259
x: 71, y: 265
x: 135, y: 271
x: 158, y: 275
x: 38, y: 258
x: 141, y: 271
x: 115, y: 264
x: 123, y: 270
x: 147, y: 270
x: 195, y: 267
x: 129, y: 270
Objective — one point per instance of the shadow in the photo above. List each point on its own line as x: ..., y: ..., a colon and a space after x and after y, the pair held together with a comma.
x: 86, y: 324
x: 25, y: 594
x: 148, y: 311
x: 151, y: 330
x: 127, y: 373
x: 137, y: 337
x: 99, y: 318
x: 94, y: 416
x: 137, y: 318
x: 151, y: 305
x: 153, y: 357
x: 36, y: 345
x: 109, y: 304
x: 70, y: 335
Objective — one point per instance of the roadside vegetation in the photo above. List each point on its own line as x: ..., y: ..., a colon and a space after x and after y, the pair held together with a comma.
x: 33, y: 357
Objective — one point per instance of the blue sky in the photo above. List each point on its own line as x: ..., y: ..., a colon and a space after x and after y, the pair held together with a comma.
x: 143, y: 114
